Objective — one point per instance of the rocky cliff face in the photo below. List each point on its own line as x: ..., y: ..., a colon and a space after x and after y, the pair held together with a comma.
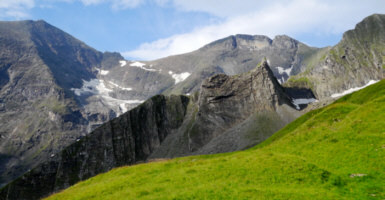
x: 357, y: 59
x: 129, y: 139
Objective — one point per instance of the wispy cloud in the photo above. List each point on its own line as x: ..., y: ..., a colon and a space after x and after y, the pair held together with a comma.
x: 115, y: 4
x: 15, y: 8
x: 291, y: 17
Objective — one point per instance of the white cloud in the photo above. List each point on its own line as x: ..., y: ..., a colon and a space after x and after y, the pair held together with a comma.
x: 223, y: 8
x: 92, y: 2
x: 291, y: 17
x: 16, y: 3
x: 124, y: 4
x: 115, y: 4
x: 15, y: 8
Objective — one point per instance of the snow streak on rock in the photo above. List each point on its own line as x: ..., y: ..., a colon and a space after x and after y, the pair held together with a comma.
x: 371, y: 82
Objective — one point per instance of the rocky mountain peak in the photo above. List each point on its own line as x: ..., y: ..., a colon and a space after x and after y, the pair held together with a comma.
x: 225, y: 101
x: 370, y: 29
x: 261, y: 79
x: 284, y: 41
x: 240, y: 41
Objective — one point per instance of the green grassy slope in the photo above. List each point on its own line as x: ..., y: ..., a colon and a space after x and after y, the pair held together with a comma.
x: 337, y: 152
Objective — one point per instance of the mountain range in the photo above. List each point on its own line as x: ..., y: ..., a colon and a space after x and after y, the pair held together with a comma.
x: 56, y: 92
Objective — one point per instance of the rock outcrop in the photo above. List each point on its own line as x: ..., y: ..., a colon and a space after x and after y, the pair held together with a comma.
x: 126, y: 140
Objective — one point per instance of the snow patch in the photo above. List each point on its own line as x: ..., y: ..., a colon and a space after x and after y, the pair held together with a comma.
x: 179, y: 77
x: 122, y: 107
x: 281, y: 70
x: 371, y: 82
x: 141, y: 65
x: 303, y: 101
x: 102, y: 72
x: 118, y: 86
x: 123, y: 63
x: 93, y: 86
x: 137, y: 64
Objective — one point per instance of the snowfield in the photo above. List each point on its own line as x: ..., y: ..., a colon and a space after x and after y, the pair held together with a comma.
x: 123, y: 63
x: 98, y: 88
x: 141, y: 65
x: 102, y: 72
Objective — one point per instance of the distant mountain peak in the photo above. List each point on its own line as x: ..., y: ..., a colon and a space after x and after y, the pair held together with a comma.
x: 240, y: 41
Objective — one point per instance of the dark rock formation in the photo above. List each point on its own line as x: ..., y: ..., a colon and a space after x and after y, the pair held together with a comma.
x: 129, y: 139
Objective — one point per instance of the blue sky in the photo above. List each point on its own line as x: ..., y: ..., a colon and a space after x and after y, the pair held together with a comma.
x: 150, y: 29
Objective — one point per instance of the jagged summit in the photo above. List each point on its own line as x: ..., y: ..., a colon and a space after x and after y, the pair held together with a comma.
x: 226, y: 101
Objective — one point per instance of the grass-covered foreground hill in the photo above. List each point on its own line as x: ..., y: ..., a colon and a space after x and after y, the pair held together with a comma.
x: 337, y: 152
